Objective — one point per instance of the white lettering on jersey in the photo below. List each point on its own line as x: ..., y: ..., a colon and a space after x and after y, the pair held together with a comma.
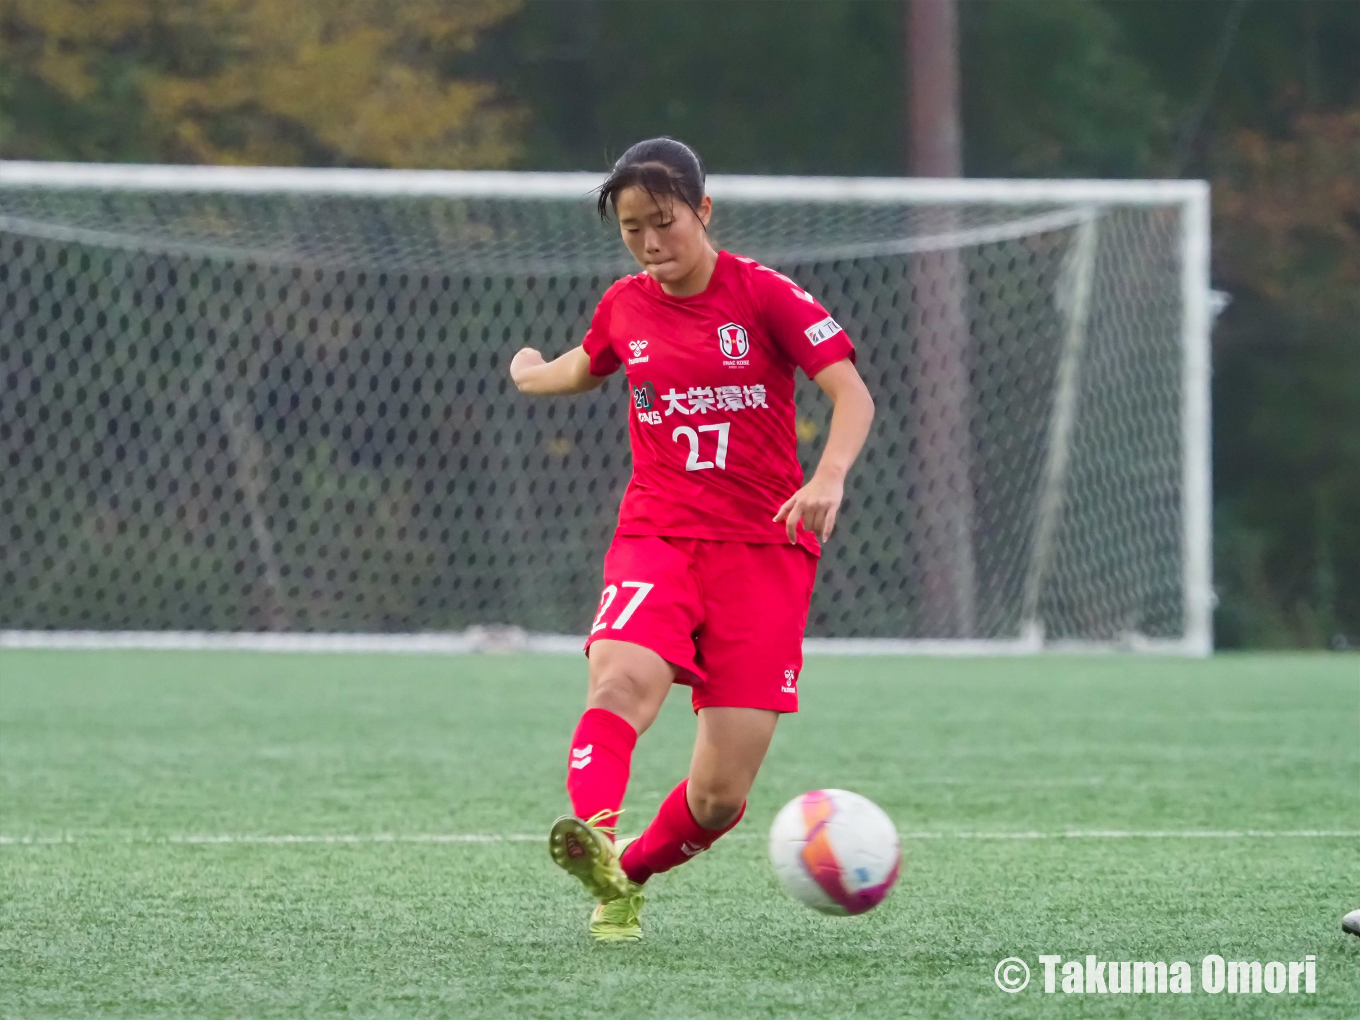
x: 729, y: 398
x: 701, y: 399
x: 823, y: 330
x: 675, y: 402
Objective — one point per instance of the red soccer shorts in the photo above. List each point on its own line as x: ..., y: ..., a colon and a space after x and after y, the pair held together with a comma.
x: 729, y: 615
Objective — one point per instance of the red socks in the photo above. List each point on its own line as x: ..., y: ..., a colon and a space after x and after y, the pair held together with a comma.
x: 672, y: 838
x: 597, y: 770
x: 597, y: 776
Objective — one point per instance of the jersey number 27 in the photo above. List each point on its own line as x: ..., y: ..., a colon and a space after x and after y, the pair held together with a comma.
x: 694, y: 463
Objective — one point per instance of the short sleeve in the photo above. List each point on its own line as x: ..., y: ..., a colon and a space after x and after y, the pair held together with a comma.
x: 598, y: 345
x: 800, y: 326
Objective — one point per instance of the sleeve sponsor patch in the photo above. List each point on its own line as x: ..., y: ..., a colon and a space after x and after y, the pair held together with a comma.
x: 823, y: 330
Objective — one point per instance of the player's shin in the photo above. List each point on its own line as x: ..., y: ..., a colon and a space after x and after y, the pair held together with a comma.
x: 672, y: 838
x: 597, y: 769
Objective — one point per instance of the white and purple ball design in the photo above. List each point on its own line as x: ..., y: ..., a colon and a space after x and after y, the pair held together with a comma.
x: 835, y: 851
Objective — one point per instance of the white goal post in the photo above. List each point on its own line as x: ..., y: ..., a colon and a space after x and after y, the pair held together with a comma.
x: 267, y: 408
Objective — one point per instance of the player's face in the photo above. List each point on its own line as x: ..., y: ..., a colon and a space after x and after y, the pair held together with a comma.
x: 663, y: 233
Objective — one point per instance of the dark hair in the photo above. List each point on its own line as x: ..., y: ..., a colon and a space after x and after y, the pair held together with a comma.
x: 660, y: 166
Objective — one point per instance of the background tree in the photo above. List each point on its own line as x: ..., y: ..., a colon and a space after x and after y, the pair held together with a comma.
x: 363, y: 82
x: 1260, y: 97
x: 1287, y: 448
x: 1255, y: 97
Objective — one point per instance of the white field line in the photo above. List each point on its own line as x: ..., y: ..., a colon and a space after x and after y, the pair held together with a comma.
x: 245, y: 839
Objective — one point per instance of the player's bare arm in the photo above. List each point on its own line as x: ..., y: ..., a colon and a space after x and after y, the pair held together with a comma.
x: 567, y: 374
x: 817, y: 503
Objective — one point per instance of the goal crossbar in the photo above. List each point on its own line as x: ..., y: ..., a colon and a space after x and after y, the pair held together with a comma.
x: 528, y: 184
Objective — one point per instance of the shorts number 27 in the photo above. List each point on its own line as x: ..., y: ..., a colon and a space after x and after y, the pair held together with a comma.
x: 607, y: 599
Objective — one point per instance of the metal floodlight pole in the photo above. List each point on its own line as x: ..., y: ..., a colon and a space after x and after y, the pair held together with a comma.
x: 942, y: 487
x: 936, y: 148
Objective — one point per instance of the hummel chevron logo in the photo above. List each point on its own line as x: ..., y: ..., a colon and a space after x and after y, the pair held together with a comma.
x: 580, y: 756
x: 690, y: 849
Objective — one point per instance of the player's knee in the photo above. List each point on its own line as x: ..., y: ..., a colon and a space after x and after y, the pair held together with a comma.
x: 714, y: 807
x: 618, y: 690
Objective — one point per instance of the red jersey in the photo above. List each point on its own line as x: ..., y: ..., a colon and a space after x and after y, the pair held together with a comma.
x: 715, y: 454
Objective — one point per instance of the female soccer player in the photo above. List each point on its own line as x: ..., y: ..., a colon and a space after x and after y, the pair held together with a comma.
x: 708, y: 579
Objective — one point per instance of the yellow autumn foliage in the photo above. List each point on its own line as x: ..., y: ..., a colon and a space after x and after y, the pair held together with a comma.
x: 277, y: 81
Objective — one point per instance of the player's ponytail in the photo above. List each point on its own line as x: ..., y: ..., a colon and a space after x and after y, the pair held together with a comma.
x: 660, y: 166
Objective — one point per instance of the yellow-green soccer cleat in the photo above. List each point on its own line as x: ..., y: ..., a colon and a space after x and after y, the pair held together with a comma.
x: 584, y: 849
x: 617, y: 920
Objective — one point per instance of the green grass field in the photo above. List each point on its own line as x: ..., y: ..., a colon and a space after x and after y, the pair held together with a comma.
x: 1171, y: 809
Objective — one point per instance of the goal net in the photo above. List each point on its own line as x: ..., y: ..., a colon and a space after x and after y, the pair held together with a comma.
x: 277, y: 400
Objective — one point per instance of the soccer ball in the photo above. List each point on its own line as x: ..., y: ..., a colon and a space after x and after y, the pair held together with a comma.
x: 835, y: 851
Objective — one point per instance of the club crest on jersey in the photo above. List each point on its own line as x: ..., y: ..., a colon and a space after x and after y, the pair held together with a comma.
x: 732, y: 341
x: 637, y: 347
